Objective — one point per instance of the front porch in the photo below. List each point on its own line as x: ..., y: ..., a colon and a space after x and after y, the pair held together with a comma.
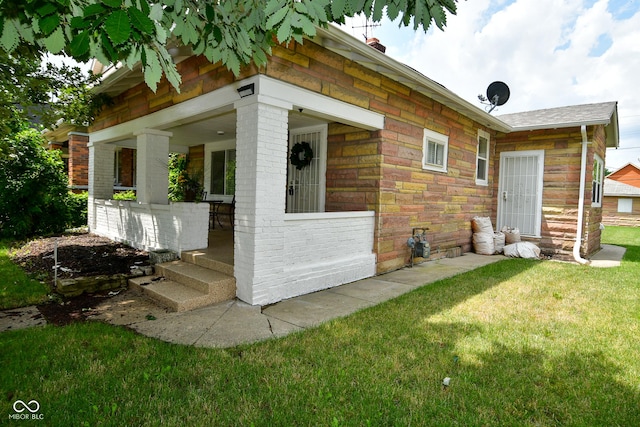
x: 277, y: 254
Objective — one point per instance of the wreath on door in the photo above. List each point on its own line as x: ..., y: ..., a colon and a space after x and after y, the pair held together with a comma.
x: 301, y: 155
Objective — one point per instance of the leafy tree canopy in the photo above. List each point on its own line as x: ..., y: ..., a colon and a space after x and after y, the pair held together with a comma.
x: 234, y: 32
x: 36, y: 94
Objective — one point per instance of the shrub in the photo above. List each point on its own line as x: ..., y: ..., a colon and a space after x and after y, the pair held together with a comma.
x: 77, y: 204
x: 183, y: 185
x: 125, y: 195
x: 34, y: 187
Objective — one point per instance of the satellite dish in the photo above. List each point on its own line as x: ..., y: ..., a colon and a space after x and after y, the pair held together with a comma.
x: 497, y: 94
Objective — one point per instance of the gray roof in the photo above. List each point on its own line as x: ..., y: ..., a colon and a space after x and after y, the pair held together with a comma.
x: 604, y: 113
x: 618, y: 189
x: 575, y: 115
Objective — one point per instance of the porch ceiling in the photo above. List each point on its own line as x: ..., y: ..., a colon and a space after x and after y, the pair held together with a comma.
x: 223, y: 128
x: 217, y: 128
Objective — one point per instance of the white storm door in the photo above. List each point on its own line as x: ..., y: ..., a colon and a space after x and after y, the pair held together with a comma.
x: 520, y: 191
x: 306, y: 186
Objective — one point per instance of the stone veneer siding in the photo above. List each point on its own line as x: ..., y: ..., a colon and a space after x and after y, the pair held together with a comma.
x: 561, y: 185
x: 379, y: 170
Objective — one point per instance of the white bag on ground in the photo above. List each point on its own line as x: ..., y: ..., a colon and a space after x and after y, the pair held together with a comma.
x: 511, y: 235
x: 483, y: 243
x: 522, y: 250
x: 498, y: 242
x: 481, y: 224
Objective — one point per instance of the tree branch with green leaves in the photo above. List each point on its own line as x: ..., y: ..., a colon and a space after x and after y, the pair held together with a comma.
x: 232, y: 32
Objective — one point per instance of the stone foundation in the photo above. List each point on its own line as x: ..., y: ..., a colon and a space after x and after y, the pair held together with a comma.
x: 79, y: 285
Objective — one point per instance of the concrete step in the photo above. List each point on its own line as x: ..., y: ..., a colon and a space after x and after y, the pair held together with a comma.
x: 195, y: 276
x: 175, y: 296
x: 203, y: 259
x: 184, y: 286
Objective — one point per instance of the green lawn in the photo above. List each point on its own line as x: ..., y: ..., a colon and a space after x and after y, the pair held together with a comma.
x: 16, y: 288
x: 525, y: 343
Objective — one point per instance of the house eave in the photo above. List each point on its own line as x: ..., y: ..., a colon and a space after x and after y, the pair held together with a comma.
x: 575, y: 116
x: 611, y: 129
x: 620, y: 194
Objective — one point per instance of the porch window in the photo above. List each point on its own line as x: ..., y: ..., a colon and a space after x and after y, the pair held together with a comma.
x: 625, y: 205
x: 482, y: 158
x: 598, y: 174
x: 124, y: 168
x: 434, y: 151
x: 223, y: 172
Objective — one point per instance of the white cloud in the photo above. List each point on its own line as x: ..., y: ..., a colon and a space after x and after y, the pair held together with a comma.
x: 550, y: 52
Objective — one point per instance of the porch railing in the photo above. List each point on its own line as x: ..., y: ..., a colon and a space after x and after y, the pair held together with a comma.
x: 176, y: 226
x: 322, y: 250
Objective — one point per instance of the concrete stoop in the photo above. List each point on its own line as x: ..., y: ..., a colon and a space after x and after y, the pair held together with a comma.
x: 184, y: 285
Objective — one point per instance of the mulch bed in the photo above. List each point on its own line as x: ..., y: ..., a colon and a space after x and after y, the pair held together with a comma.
x: 79, y: 255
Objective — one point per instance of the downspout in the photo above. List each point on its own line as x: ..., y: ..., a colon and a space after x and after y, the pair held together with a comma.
x: 583, y: 173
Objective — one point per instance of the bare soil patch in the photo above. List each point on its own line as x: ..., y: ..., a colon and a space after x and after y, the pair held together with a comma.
x: 79, y: 255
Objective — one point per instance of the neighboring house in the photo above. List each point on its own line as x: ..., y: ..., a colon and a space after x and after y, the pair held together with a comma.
x: 72, y: 142
x: 628, y: 174
x: 392, y: 151
x: 621, y: 202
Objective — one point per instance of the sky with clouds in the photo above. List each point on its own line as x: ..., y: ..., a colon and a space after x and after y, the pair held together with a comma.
x: 551, y: 53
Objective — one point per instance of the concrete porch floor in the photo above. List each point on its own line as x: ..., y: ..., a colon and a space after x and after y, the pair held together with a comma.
x: 220, y: 245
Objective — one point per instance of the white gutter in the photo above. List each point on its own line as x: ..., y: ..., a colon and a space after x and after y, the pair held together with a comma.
x: 583, y: 173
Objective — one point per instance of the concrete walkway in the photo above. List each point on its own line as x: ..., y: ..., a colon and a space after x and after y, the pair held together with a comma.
x: 608, y: 256
x: 234, y: 322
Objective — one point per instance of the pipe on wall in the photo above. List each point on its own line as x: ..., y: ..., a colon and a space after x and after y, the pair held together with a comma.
x: 583, y: 173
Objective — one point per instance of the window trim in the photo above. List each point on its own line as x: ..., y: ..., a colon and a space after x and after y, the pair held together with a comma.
x: 225, y: 171
x: 487, y: 136
x: 208, y: 149
x: 440, y: 140
x: 597, y: 182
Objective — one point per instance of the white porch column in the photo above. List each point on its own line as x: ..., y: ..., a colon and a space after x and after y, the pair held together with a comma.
x: 261, y: 172
x: 101, y: 158
x: 152, y: 170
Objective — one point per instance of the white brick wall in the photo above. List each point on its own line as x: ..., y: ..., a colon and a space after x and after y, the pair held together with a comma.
x: 101, y: 158
x: 152, y: 159
x: 321, y: 251
x: 261, y: 150
x: 177, y: 226
x: 278, y: 255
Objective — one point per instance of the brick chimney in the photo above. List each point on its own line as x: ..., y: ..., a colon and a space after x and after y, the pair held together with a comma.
x: 375, y: 43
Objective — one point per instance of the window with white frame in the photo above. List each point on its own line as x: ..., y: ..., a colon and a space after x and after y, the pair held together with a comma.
x: 625, y: 205
x: 434, y: 151
x: 223, y: 172
x: 482, y: 158
x: 596, y: 187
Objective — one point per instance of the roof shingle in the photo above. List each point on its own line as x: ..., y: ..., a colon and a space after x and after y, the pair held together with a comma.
x: 617, y: 189
x: 575, y: 115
